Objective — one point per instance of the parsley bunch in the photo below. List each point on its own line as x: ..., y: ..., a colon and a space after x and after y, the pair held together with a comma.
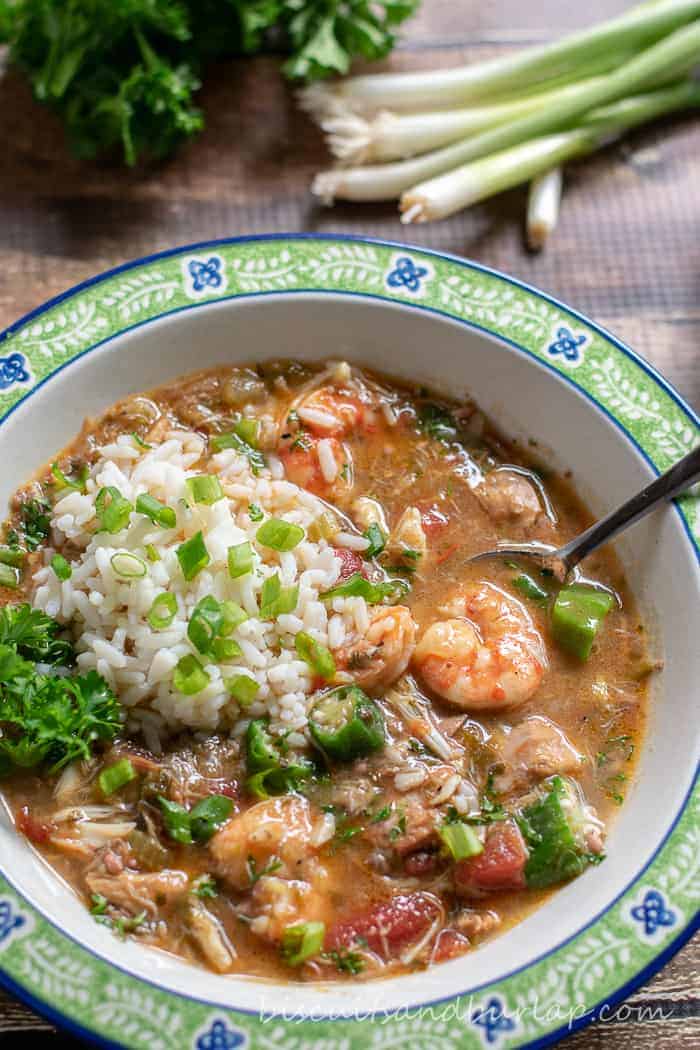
x: 123, y: 73
x: 44, y: 718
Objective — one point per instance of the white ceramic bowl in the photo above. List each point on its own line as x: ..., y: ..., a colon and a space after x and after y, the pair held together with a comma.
x: 541, y: 371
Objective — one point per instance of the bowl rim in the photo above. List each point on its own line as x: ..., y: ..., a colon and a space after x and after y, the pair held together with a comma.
x: 393, y: 253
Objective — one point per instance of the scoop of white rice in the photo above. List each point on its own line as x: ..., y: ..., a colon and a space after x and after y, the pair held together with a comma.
x: 109, y: 613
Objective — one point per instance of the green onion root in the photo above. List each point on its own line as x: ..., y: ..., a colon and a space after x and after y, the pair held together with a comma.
x: 543, y: 205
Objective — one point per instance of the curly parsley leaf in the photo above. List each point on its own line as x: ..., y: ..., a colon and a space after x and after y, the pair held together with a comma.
x: 34, y: 635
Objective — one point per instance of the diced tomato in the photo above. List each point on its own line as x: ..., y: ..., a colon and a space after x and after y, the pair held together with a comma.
x: 350, y: 563
x: 387, y: 928
x: 433, y: 519
x: 449, y: 945
x: 229, y: 788
x: 35, y: 830
x: 500, y: 867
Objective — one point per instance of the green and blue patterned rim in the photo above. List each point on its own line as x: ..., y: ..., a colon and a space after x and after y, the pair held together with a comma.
x: 640, y: 929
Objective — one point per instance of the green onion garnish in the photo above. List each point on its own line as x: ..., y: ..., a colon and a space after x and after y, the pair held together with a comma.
x: 61, y: 567
x: 254, y: 512
x: 377, y: 540
x: 224, y: 649
x: 193, y: 556
x: 302, y: 941
x: 189, y: 676
x: 240, y: 560
x: 356, y: 586
x: 275, y: 600
x: 233, y: 617
x: 205, y: 623
x: 116, y: 776
x: 279, y: 535
x: 158, y: 513
x: 128, y: 566
x: 242, y: 688
x: 63, y: 482
x: 248, y: 430
x: 163, y: 611
x: 151, y: 553
x: 316, y: 655
x: 113, y: 510
x: 460, y: 840
x: 234, y: 441
x: 9, y: 576
x: 12, y: 556
x: 139, y: 442
x: 205, y: 488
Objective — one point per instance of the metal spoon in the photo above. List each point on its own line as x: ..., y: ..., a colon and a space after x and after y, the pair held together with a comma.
x: 561, y: 560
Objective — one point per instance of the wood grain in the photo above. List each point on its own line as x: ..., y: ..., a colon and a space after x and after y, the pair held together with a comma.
x: 627, y: 252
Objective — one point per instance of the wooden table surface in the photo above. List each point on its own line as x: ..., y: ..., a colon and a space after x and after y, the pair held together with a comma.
x: 626, y: 252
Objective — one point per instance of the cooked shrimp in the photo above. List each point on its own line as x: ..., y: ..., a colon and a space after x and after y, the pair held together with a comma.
x: 489, y: 655
x: 508, y: 496
x: 382, y: 654
x: 407, y: 542
x: 329, y: 411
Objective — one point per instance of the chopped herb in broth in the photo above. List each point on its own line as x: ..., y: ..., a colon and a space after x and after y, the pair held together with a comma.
x: 260, y: 711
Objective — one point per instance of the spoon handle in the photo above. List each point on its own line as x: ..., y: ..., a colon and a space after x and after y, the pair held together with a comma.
x: 675, y: 481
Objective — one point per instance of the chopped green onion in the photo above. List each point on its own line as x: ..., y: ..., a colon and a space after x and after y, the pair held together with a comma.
x: 163, y: 611
x: 158, y: 513
x: 9, y: 577
x: 139, y: 442
x: 151, y: 553
x: 254, y: 512
x: 279, y: 535
x: 193, y: 556
x: 530, y: 588
x: 11, y: 556
x: 205, y: 623
x: 302, y: 941
x: 63, y: 482
x: 356, y: 586
x: 240, y: 560
x: 61, y: 567
x: 234, y: 441
x: 577, y: 615
x: 316, y: 655
x: 233, y: 617
x: 189, y: 676
x: 460, y: 840
x: 128, y: 566
x: 377, y: 540
x: 243, y: 689
x: 205, y: 488
x: 275, y: 600
x: 224, y: 649
x: 116, y: 776
x: 113, y: 510
x: 248, y: 429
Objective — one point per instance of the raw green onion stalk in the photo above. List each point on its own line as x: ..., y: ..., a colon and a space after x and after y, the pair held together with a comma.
x: 446, y: 139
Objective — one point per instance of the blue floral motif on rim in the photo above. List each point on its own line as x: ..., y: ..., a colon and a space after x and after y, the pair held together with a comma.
x: 406, y: 274
x: 653, y: 913
x: 9, y: 920
x: 493, y: 1019
x: 13, y: 369
x: 205, y: 274
x: 220, y: 1037
x: 567, y: 344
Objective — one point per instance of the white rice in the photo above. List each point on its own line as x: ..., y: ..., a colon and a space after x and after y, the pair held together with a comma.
x: 109, y: 614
